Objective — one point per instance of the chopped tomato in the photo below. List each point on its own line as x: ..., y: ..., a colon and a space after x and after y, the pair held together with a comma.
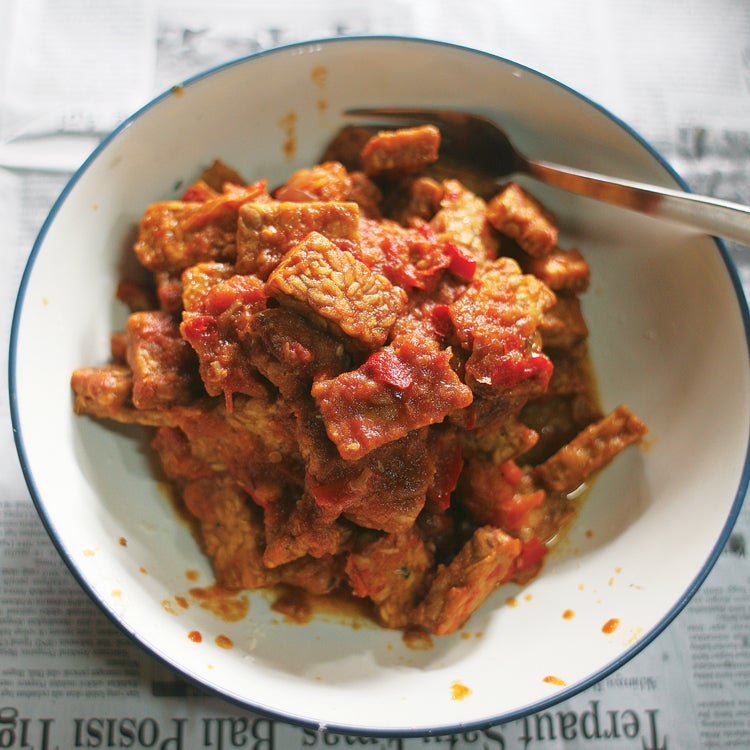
x: 447, y: 472
x: 200, y: 328
x: 532, y: 553
x: 440, y: 318
x: 462, y: 263
x: 385, y: 367
x: 246, y: 290
x: 516, y: 367
x: 515, y: 510
x: 511, y: 472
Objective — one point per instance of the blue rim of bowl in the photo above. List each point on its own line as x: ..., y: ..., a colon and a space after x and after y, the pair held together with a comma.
x: 558, y: 697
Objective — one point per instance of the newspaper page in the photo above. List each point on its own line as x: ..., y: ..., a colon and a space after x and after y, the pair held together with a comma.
x: 70, y: 70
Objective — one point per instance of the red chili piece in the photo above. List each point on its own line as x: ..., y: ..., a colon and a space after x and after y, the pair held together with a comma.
x: 385, y: 367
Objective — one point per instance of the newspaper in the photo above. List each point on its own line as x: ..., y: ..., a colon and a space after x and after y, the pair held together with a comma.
x: 70, y: 70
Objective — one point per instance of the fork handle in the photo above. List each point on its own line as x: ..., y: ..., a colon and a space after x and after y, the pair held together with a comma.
x: 710, y: 215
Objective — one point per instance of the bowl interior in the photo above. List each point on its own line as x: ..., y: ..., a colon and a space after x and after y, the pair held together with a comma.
x: 668, y: 339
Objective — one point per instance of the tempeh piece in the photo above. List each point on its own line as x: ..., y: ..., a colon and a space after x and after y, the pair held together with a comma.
x: 518, y: 215
x: 198, y: 280
x: 173, y: 235
x: 399, y: 388
x: 591, y: 450
x: 231, y: 532
x: 216, y: 331
x: 297, y: 529
x: 106, y: 393
x: 462, y: 586
x: 392, y: 571
x: 404, y: 150
x: 267, y: 231
x: 496, y: 319
x: 288, y: 350
x: 164, y: 366
x: 462, y: 219
x: 561, y: 270
x: 563, y: 325
x: 328, y: 182
x: 318, y: 277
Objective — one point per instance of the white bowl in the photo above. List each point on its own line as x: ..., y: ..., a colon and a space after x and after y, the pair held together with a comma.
x: 668, y: 334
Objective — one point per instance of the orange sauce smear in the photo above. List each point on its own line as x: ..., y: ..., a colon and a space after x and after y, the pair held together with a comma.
x: 288, y: 124
x: 459, y: 691
x: 319, y: 76
x: 552, y: 680
x: 300, y: 607
x: 224, y: 642
x: 294, y: 605
x: 417, y: 639
x: 228, y: 606
x: 610, y: 626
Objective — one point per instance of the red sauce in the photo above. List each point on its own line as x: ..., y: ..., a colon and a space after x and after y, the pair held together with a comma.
x: 224, y: 642
x: 195, y: 636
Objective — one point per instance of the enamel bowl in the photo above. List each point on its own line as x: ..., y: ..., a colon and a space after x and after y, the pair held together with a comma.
x: 668, y: 337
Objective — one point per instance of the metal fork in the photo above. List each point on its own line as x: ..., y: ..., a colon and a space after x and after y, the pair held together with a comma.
x: 482, y: 145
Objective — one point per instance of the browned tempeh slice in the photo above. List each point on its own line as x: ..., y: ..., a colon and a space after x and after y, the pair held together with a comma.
x: 462, y: 219
x: 392, y: 571
x: 198, y: 280
x: 561, y: 270
x: 231, y: 532
x: 460, y: 587
x: 318, y: 277
x: 105, y: 393
x: 518, y: 215
x: 291, y: 353
x: 563, y: 326
x: 173, y: 235
x: 297, y: 528
x: 315, y: 575
x: 591, y: 450
x: 403, y: 150
x: 267, y: 231
x: 399, y: 388
x: 164, y: 366
x: 328, y: 182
